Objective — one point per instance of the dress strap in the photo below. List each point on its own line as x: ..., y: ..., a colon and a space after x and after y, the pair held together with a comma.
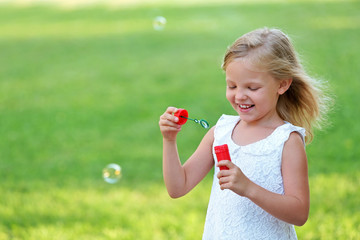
x: 225, y: 126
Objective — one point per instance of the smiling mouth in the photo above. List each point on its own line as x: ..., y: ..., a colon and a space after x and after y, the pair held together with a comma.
x: 246, y: 106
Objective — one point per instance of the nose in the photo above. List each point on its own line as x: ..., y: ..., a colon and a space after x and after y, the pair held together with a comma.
x: 240, y: 94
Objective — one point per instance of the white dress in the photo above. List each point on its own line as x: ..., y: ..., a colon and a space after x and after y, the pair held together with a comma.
x: 230, y: 216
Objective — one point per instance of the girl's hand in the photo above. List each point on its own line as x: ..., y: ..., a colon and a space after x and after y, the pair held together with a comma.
x: 168, y: 124
x: 233, y: 179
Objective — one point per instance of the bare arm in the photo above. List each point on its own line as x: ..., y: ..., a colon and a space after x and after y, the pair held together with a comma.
x: 293, y: 206
x: 180, y: 179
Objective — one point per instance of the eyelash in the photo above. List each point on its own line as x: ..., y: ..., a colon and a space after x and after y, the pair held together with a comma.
x: 251, y: 89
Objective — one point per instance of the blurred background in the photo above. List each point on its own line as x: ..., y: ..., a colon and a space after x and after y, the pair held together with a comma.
x: 83, y: 83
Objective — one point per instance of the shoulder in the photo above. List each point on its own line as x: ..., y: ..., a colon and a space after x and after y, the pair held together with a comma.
x: 226, y: 120
x: 294, y: 133
x: 225, y: 124
x: 283, y: 133
x: 295, y: 140
x: 294, y: 150
x: 294, y: 159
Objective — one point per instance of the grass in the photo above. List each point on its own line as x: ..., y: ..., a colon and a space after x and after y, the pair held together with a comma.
x: 84, y: 87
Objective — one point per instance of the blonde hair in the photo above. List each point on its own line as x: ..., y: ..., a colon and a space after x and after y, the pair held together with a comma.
x: 304, y: 104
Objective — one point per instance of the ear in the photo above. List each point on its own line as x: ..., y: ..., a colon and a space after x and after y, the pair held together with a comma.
x: 284, y: 85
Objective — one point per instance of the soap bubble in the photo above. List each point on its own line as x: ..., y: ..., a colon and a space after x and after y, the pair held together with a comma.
x: 112, y: 173
x: 159, y: 23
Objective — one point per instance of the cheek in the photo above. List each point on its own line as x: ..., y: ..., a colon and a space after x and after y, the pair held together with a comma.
x: 265, y: 98
x: 229, y: 96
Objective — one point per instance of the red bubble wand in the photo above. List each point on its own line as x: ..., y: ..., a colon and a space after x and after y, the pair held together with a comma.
x: 183, y: 116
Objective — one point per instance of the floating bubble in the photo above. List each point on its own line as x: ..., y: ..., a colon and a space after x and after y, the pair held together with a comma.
x: 159, y: 23
x: 112, y: 173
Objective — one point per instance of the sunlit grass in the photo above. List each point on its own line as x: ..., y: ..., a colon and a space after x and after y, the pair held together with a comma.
x: 334, y: 206
x: 100, y: 211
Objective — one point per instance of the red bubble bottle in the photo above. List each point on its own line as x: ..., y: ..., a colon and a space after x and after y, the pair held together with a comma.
x: 222, y: 153
x: 183, y: 115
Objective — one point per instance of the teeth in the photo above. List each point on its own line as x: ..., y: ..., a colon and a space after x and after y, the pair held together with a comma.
x: 245, y: 106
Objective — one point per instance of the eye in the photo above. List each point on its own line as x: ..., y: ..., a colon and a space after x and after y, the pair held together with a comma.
x: 253, y: 88
x: 231, y: 87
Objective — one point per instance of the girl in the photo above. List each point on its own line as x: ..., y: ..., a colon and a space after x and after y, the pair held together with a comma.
x: 265, y: 191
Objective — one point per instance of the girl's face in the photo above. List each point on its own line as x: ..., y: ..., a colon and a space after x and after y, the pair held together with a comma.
x: 253, y: 94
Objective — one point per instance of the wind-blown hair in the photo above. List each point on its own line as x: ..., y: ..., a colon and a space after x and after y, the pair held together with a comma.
x: 304, y: 104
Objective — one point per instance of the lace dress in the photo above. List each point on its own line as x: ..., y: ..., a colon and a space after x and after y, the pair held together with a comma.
x: 230, y: 216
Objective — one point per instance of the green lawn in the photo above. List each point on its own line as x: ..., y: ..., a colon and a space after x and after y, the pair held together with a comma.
x: 84, y: 87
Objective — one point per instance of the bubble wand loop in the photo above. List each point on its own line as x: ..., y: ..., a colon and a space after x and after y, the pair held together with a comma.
x: 202, y: 122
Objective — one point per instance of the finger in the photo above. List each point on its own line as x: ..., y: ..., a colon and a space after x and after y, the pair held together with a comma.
x: 169, y: 114
x: 223, y: 180
x: 223, y: 174
x: 164, y: 122
x: 171, y: 110
x: 170, y: 129
x: 225, y: 163
x: 169, y: 117
x: 224, y: 186
x: 224, y: 183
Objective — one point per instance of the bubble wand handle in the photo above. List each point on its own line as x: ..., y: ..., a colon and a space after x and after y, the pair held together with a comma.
x: 195, y: 120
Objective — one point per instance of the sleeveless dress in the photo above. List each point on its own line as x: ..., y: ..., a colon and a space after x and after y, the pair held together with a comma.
x: 230, y: 216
